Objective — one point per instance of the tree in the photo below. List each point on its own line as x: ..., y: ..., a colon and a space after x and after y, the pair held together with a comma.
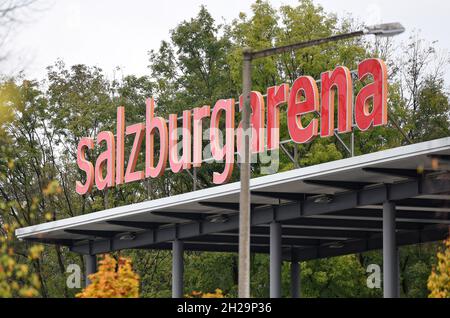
x: 421, y: 83
x: 114, y: 279
x: 432, y: 118
x: 10, y: 15
x: 335, y: 277
x: 439, y: 280
x: 16, y: 278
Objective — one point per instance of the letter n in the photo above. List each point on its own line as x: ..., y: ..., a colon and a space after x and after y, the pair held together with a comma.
x: 341, y: 81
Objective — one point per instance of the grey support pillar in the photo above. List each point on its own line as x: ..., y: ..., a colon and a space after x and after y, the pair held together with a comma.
x: 275, y: 260
x: 390, y: 252
x: 90, y: 262
x: 295, y: 276
x: 398, y: 272
x: 177, y: 269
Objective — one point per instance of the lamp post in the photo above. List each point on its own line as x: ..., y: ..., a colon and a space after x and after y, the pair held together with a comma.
x: 387, y: 29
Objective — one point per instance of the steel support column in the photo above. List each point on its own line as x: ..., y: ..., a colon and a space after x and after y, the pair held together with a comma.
x: 390, y: 252
x: 398, y: 272
x: 275, y: 260
x: 177, y: 269
x: 295, y: 277
x: 90, y: 262
x: 245, y: 175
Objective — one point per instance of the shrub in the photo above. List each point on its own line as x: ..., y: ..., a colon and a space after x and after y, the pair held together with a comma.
x: 114, y: 279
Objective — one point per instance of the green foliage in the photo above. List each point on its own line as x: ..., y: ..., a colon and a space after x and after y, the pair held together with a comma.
x: 320, y: 152
x: 432, y: 118
x: 201, y: 272
x: 335, y: 277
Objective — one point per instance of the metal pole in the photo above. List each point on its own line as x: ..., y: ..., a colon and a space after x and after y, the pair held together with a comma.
x: 390, y: 257
x: 275, y: 260
x: 398, y: 272
x: 91, y: 267
x: 295, y: 276
x: 244, y: 202
x: 194, y: 170
x: 177, y: 269
x: 301, y: 45
x: 352, y: 146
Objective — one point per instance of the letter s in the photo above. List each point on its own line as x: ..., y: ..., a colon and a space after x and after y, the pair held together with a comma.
x: 85, y: 165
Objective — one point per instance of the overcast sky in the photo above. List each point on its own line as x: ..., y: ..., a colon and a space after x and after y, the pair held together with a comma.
x: 110, y: 33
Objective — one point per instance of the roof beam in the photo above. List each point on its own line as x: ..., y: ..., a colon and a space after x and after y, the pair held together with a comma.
x: 208, y: 247
x: 405, y: 173
x: 424, y: 203
x: 182, y: 215
x: 349, y: 225
x: 227, y: 205
x: 258, y: 240
x: 63, y: 242
x: 325, y: 250
x: 310, y: 233
x: 289, y: 196
x: 136, y: 224
x: 400, y: 215
x: 374, y: 242
x: 95, y: 233
x: 347, y: 185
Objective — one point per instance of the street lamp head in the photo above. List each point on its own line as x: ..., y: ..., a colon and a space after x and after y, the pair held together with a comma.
x: 385, y: 29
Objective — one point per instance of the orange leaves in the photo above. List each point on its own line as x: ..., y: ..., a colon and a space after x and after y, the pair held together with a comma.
x: 198, y: 294
x: 439, y: 280
x: 114, y: 279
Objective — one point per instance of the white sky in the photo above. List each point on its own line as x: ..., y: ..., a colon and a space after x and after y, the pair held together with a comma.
x: 110, y: 33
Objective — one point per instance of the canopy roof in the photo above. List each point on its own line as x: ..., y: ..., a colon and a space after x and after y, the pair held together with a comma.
x: 328, y: 209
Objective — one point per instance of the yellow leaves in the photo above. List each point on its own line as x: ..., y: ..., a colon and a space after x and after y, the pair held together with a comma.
x: 9, y: 264
x: 48, y: 216
x: 16, y: 278
x: 8, y: 93
x: 35, y: 251
x: 22, y: 270
x: 439, y: 279
x: 53, y: 187
x: 6, y: 228
x: 114, y: 279
x: 218, y: 293
x: 34, y: 205
x: 28, y: 292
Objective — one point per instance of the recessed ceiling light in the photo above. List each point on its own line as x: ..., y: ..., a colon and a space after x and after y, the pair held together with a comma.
x: 127, y: 236
x: 218, y: 218
x: 326, y: 198
x: 336, y: 245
